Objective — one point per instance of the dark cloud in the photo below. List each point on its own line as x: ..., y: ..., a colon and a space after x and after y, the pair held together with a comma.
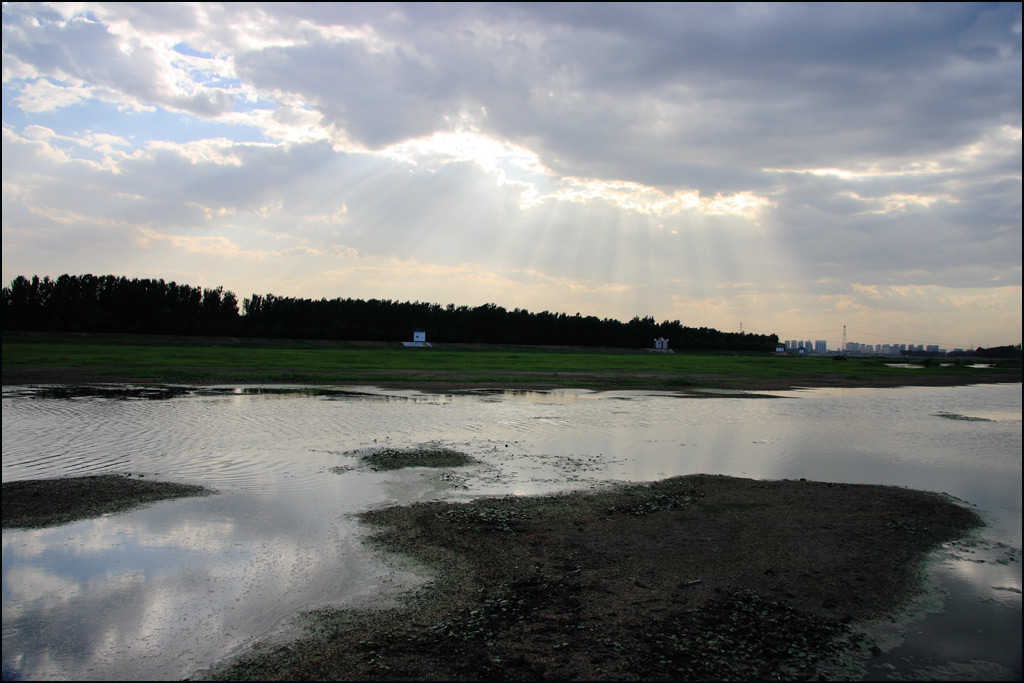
x: 660, y: 94
x: 378, y: 99
x: 637, y: 88
x: 971, y: 239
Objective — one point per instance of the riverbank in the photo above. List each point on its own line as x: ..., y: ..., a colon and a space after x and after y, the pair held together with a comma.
x: 74, y: 360
x: 696, y: 577
x: 442, y: 381
x: 49, y: 502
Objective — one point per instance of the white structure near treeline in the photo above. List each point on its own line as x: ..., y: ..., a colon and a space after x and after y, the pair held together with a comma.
x: 419, y: 338
x: 661, y: 346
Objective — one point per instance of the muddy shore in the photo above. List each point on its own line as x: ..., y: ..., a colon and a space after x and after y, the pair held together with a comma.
x: 693, y: 578
x: 49, y: 502
x: 435, y: 381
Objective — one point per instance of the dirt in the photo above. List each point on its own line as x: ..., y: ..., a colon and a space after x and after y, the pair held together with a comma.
x: 385, y: 459
x: 692, y: 578
x: 49, y: 502
x: 443, y: 381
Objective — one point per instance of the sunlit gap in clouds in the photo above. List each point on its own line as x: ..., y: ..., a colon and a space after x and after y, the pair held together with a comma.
x: 729, y: 270
x: 665, y: 244
x: 707, y: 270
x: 606, y: 235
x: 327, y: 210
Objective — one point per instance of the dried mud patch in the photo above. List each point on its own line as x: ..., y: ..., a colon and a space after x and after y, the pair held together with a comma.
x: 49, y: 502
x: 431, y: 455
x: 964, y: 418
x: 698, y: 577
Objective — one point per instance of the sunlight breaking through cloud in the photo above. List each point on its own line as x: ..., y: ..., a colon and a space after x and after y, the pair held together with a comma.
x: 618, y: 146
x: 514, y: 165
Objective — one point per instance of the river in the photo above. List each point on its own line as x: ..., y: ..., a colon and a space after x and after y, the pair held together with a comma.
x: 166, y: 590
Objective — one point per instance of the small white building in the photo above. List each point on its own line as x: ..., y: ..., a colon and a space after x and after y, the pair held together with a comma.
x: 419, y: 338
x: 661, y: 346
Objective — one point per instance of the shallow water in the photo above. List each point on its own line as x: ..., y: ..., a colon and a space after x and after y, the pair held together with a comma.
x: 166, y: 590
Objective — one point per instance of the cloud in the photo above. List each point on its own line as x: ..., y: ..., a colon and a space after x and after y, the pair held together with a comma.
x: 75, y: 49
x: 753, y: 156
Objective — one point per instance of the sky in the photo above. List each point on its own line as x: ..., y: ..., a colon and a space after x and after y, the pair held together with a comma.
x: 772, y: 168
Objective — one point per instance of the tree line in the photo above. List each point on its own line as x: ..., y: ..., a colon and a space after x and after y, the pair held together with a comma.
x: 108, y: 303
x: 1009, y: 351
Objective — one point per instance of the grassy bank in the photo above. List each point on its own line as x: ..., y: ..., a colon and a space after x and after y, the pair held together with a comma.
x: 76, y: 359
x: 692, y: 578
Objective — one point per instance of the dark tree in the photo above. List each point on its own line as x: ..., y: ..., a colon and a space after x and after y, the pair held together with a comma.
x: 89, y: 303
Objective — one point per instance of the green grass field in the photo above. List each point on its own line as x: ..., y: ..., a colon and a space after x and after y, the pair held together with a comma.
x: 168, y: 360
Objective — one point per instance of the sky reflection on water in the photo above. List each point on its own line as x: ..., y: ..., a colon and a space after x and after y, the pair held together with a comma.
x: 165, y: 590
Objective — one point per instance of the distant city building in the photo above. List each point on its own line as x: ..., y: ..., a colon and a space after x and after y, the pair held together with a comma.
x: 820, y: 346
x: 890, y: 349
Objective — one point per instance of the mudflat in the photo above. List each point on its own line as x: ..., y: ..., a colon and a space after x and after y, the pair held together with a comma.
x: 49, y: 502
x: 692, y: 578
